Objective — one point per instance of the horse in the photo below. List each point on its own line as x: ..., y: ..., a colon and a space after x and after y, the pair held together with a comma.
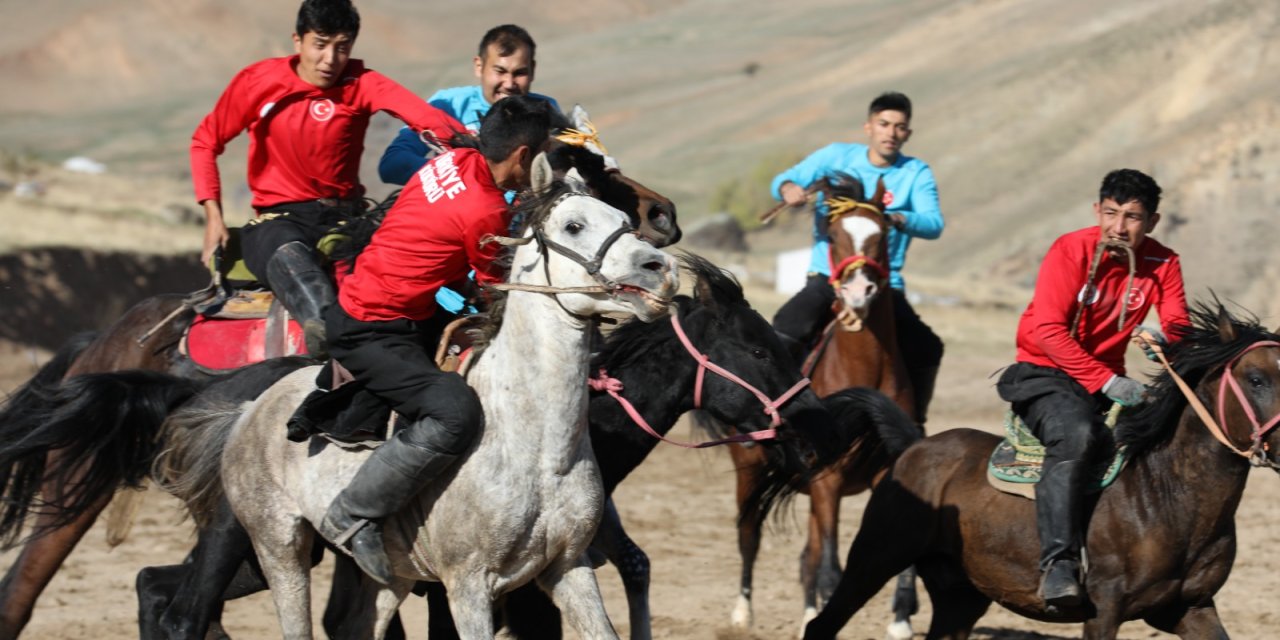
x: 857, y: 349
x: 147, y: 337
x: 524, y: 501
x: 1160, y: 541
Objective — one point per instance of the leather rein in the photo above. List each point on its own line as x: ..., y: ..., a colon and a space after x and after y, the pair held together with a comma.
x: 614, y: 387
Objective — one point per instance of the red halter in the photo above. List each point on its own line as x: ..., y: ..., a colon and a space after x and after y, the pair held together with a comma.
x: 613, y: 387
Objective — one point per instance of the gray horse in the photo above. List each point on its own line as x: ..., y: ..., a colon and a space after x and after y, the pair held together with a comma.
x: 524, y: 503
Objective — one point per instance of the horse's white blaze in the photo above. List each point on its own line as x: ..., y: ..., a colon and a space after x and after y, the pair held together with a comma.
x: 742, y: 616
x: 860, y: 229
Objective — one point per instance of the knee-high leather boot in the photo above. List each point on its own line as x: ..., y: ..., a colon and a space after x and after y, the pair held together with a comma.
x: 1059, y: 516
x: 922, y: 383
x: 296, y: 277
x: 392, y: 476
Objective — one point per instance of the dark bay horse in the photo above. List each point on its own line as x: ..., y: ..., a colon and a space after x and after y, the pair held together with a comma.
x: 858, y: 349
x: 127, y: 344
x: 1160, y: 541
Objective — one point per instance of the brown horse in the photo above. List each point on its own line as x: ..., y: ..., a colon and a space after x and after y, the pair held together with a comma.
x: 1160, y: 541
x: 128, y: 345
x: 858, y: 349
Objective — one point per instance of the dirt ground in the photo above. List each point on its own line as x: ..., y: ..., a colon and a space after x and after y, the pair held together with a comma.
x: 678, y: 507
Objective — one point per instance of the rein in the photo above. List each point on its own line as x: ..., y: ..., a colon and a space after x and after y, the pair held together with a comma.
x: 1257, y: 452
x: 614, y: 387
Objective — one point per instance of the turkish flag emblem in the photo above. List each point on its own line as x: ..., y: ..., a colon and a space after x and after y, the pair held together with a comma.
x: 322, y: 110
x: 888, y: 198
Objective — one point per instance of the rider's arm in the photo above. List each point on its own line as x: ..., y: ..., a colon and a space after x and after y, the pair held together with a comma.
x: 483, y: 256
x: 924, y: 219
x: 384, y: 94
x: 405, y: 155
x: 1171, y: 305
x: 231, y: 115
x: 817, y: 165
x: 1061, y: 277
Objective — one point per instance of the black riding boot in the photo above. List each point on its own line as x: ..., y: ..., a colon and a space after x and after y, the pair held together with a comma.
x: 392, y: 476
x: 295, y: 276
x: 922, y: 388
x: 1059, y: 516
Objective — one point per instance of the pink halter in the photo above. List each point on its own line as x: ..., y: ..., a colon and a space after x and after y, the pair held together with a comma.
x: 613, y: 387
x: 1260, y: 431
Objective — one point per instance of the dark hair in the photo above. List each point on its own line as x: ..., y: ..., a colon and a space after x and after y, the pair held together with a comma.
x: 1127, y: 185
x: 511, y: 122
x: 327, y: 17
x: 508, y: 38
x: 890, y: 101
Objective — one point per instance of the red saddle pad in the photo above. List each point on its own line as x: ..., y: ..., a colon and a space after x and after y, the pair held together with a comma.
x: 230, y: 343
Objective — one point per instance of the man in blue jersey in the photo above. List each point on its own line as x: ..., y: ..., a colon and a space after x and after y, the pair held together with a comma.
x: 911, y: 203
x: 504, y: 65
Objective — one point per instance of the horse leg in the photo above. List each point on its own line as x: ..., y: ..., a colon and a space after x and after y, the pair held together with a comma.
x: 386, y: 603
x: 346, y: 613
x: 471, y: 604
x: 819, y: 564
x: 633, y: 566
x: 531, y: 614
x: 957, y: 604
x: 39, y: 560
x: 283, y: 547
x: 577, y: 593
x: 1190, y: 622
x: 440, y: 625
x: 905, y: 605
x: 747, y: 462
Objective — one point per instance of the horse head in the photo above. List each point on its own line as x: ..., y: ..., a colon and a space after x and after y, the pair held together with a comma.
x: 576, y: 147
x: 587, y: 251
x: 1247, y: 400
x: 859, y: 232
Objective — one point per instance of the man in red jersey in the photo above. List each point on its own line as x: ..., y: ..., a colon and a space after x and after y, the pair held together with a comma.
x: 306, y: 115
x: 386, y: 322
x: 1064, y: 379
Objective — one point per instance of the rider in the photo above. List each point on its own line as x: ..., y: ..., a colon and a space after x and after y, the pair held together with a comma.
x: 306, y: 115
x: 911, y: 203
x: 505, y: 65
x: 1067, y: 374
x: 385, y: 323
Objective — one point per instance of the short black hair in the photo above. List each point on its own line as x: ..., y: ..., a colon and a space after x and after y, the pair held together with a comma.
x: 1127, y: 185
x: 328, y: 18
x: 508, y: 38
x: 514, y: 121
x: 890, y: 101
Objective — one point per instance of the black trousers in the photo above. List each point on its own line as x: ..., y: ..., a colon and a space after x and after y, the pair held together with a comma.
x: 393, y: 360
x: 806, y: 313
x: 278, y: 225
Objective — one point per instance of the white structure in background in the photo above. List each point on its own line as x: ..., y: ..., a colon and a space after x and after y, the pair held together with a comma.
x: 81, y: 164
x: 792, y: 269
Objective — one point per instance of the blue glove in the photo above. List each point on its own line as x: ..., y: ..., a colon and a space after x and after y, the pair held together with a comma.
x: 1126, y: 391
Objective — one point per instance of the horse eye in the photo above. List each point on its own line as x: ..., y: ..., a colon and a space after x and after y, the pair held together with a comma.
x: 1257, y: 382
x: 759, y: 354
x: 573, y: 228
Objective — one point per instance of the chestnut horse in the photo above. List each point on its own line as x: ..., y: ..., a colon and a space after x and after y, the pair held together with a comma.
x: 857, y: 349
x: 1160, y: 541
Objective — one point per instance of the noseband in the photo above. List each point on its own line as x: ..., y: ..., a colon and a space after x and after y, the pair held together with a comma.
x: 613, y: 387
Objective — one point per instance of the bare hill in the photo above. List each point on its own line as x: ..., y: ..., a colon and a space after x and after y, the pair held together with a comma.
x: 1021, y: 106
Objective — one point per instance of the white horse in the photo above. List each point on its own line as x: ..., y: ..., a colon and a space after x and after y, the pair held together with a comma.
x: 524, y: 502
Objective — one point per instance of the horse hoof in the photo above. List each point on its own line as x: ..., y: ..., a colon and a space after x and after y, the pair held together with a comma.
x: 809, y: 614
x: 899, y: 630
x: 741, y: 616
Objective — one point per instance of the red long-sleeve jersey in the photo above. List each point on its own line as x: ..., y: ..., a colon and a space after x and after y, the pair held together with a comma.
x: 1098, y: 352
x: 304, y: 142
x: 430, y: 238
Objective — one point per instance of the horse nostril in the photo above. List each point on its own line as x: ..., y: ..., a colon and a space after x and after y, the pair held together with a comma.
x: 654, y: 265
x: 871, y: 290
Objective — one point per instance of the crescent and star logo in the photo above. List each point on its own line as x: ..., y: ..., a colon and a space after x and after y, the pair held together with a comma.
x: 888, y: 198
x: 322, y: 110
x: 1134, y: 300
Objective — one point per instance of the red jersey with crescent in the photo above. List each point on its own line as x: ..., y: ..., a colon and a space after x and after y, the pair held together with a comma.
x: 430, y: 238
x: 304, y: 142
x: 1098, y: 352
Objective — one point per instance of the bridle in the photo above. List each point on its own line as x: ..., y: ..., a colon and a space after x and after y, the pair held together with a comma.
x: 1257, y: 454
x: 838, y: 208
x: 614, y: 387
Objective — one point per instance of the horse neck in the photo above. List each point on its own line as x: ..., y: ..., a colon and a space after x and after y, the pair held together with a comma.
x: 533, y: 378
x: 863, y: 358
x: 1204, y: 476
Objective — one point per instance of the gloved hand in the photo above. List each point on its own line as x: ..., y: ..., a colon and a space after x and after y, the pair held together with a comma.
x: 1126, y: 391
x: 1152, y: 339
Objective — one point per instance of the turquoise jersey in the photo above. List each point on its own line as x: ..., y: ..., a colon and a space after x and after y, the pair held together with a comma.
x: 911, y: 191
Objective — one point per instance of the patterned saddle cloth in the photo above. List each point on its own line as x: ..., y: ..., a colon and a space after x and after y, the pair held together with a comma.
x: 1015, y: 464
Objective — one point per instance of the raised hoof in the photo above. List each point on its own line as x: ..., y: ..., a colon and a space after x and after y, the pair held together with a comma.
x: 1060, y: 585
x: 742, y: 616
x: 899, y: 630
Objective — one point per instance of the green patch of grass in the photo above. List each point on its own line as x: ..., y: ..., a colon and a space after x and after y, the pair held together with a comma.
x: 747, y: 196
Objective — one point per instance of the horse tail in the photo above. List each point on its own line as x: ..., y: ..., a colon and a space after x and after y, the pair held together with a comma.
x: 873, y: 431
x: 80, y: 441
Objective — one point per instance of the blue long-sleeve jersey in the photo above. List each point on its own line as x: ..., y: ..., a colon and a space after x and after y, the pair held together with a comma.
x: 407, y: 153
x: 911, y: 191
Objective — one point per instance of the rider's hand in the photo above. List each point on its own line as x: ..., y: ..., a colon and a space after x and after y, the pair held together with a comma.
x: 897, y: 220
x: 1150, y: 339
x: 1126, y: 391
x: 792, y: 194
x: 215, y: 230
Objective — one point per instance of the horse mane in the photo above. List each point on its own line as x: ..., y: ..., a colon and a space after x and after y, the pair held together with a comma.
x: 845, y: 185
x: 1198, y: 354
x: 357, y: 232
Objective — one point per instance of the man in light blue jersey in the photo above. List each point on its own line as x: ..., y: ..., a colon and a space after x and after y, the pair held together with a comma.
x: 911, y: 203
x: 504, y: 65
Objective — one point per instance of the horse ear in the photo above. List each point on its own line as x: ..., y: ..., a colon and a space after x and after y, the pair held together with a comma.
x: 579, y: 118
x: 878, y: 198
x: 540, y: 173
x: 703, y: 293
x: 574, y: 179
x: 1226, y: 328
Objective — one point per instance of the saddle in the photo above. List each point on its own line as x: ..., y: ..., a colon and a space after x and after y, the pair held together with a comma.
x: 1015, y: 464
x: 346, y: 413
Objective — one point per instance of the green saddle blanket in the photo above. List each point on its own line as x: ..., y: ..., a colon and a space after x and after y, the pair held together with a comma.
x: 1015, y: 464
